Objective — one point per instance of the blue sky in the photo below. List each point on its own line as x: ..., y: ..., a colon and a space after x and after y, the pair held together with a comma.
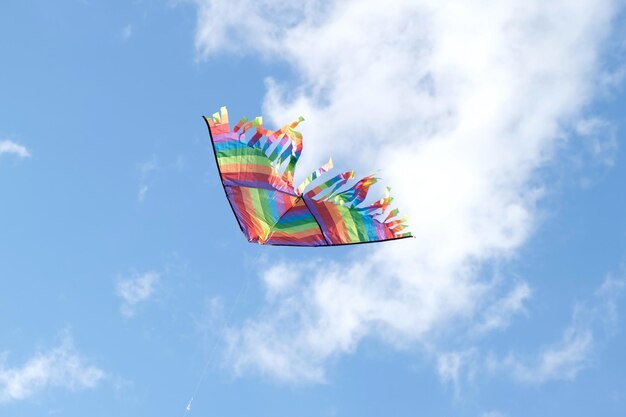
x: 125, y: 282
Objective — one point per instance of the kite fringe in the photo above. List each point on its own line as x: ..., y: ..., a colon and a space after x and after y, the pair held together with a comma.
x: 284, y: 144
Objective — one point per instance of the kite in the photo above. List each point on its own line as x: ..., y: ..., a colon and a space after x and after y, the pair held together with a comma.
x: 257, y: 169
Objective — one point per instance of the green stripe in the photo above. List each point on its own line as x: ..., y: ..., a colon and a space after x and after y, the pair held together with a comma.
x: 258, y: 209
x: 360, y: 226
x: 247, y: 160
x: 296, y: 227
x: 267, y: 212
x: 349, y: 223
x: 240, y: 152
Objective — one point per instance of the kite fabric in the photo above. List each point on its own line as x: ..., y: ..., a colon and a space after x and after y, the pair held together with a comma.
x: 257, y: 168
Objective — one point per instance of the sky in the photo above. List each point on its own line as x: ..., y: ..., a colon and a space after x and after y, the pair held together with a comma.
x: 127, y: 288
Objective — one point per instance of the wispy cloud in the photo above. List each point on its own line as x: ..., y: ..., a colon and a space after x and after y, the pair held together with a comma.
x: 304, y: 325
x: 610, y: 290
x: 9, y: 147
x: 149, y: 166
x: 141, y: 194
x: 564, y: 359
x: 493, y: 413
x: 136, y: 290
x: 462, y: 103
x: 279, y: 279
x: 592, y: 324
x: 601, y: 139
x: 127, y: 31
x: 146, y: 170
x: 59, y: 367
x: 499, y: 314
x: 455, y: 368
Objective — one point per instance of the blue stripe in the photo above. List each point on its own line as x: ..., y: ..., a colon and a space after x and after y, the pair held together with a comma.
x: 368, y: 222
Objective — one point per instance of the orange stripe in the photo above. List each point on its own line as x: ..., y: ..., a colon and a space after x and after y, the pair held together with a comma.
x: 241, y: 168
x: 338, y: 222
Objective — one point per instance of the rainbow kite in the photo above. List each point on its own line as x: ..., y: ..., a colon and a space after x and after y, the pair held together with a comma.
x: 257, y: 166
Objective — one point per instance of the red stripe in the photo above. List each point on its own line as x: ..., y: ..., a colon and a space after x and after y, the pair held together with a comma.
x: 254, y: 176
x: 335, y: 227
x: 220, y: 129
x: 245, y: 168
x: 304, y: 237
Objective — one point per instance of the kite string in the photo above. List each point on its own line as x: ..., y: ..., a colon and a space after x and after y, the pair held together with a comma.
x: 243, y: 289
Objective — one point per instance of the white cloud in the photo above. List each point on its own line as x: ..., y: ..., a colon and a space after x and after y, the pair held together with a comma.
x: 338, y: 305
x: 59, y: 367
x: 146, y: 170
x: 461, y: 103
x: 560, y: 361
x: 136, y: 290
x: 601, y: 139
x: 279, y: 279
x: 608, y: 292
x: 7, y: 146
x: 499, y: 314
x: 141, y: 194
x: 456, y: 367
x: 575, y: 351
